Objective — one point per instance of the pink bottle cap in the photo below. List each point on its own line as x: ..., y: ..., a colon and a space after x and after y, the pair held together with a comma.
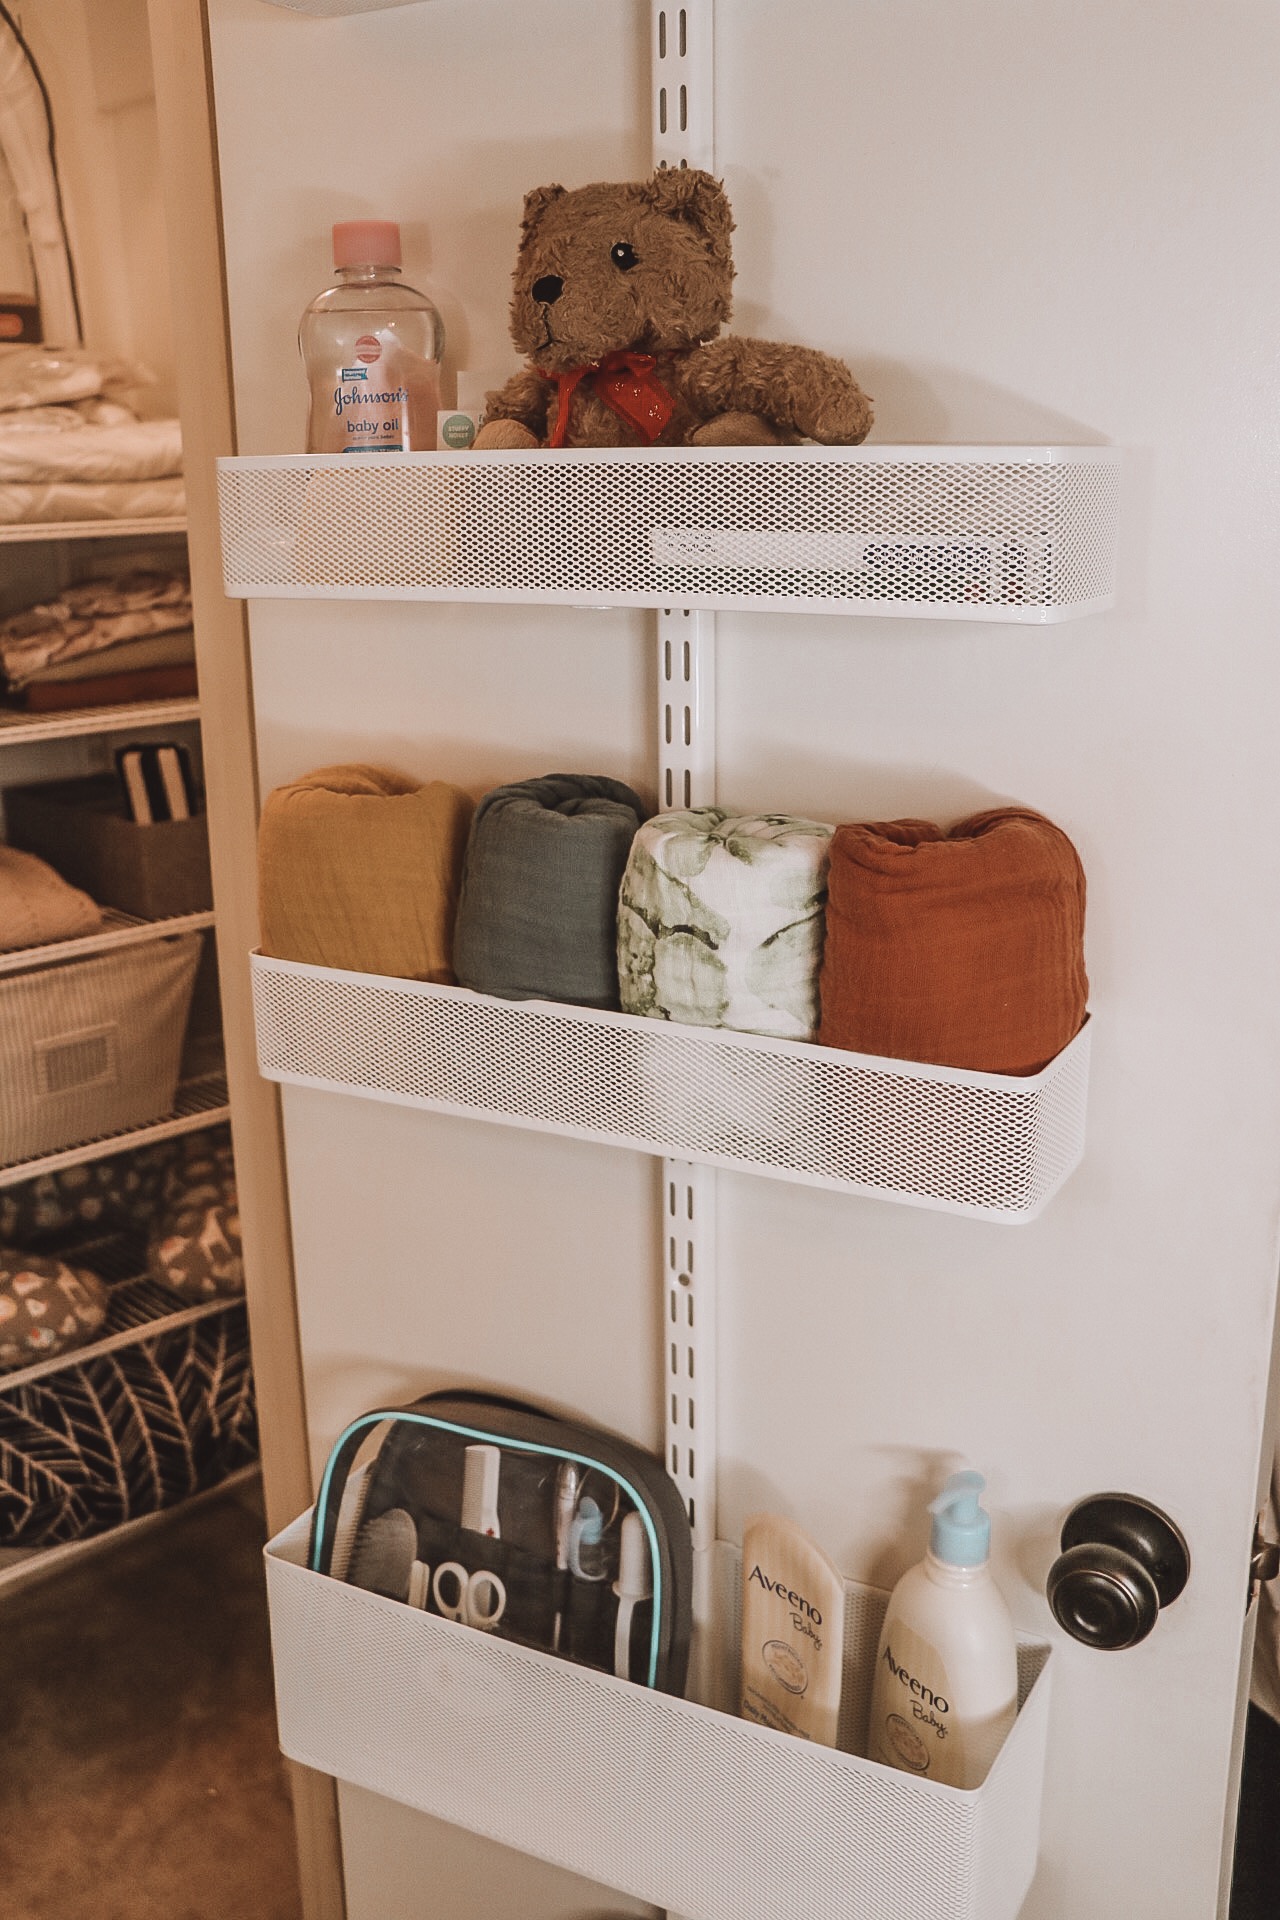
x: 366, y: 243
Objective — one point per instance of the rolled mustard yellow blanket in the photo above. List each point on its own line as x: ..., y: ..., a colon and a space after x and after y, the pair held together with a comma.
x: 962, y: 948
x: 359, y: 868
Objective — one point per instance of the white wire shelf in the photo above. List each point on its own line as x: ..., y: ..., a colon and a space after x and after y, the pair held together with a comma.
x: 1021, y: 534
x: 118, y: 930
x: 989, y: 1145
x: 24, y: 532
x: 21, y: 729
x: 201, y: 1102
x: 138, y: 1308
x: 675, y: 1803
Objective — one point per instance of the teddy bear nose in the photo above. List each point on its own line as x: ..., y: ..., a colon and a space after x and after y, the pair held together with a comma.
x: 548, y: 290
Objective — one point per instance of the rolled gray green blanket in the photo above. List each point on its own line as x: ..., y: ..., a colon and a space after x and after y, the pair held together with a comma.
x: 720, y: 921
x: 537, y: 914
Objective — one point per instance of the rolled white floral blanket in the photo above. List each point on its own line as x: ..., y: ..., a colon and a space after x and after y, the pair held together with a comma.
x: 720, y: 921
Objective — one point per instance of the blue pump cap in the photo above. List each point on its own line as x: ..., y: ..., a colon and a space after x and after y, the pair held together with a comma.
x: 961, y: 1534
x: 591, y: 1527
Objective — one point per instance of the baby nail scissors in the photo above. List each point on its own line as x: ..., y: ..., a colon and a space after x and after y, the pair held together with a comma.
x: 478, y: 1599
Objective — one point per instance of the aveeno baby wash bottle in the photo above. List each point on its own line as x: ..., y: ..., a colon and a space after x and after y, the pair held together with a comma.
x: 792, y: 1631
x: 946, y: 1686
x: 372, y: 349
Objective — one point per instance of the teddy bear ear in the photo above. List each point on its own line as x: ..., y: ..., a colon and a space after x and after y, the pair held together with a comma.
x: 694, y: 196
x: 536, y: 202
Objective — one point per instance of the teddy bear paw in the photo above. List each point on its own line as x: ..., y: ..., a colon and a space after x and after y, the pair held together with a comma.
x: 735, y: 430
x: 843, y: 421
x: 504, y: 436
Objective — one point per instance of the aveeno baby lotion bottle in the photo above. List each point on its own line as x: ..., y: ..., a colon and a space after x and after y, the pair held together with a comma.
x: 946, y: 1685
x: 792, y: 1631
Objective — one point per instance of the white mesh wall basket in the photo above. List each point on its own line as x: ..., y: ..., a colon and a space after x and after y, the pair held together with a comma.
x: 985, y: 1144
x: 695, y: 1810
x: 92, y: 1047
x: 973, y: 533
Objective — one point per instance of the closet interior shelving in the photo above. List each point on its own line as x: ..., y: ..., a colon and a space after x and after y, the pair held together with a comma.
x: 18, y: 534
x: 138, y: 1309
x: 202, y: 1098
x: 32, y: 729
x: 501, y: 1739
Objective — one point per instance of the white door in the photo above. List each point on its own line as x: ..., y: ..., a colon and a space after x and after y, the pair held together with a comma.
x: 1017, y: 224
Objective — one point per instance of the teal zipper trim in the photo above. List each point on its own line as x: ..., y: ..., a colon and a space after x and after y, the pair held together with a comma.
x: 519, y: 1446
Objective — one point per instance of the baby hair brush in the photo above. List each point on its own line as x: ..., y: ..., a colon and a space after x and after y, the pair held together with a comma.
x: 385, y: 1559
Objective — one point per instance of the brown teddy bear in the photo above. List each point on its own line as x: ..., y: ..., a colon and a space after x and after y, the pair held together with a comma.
x: 620, y: 290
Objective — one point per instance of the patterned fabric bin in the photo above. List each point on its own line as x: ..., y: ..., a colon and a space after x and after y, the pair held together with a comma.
x: 92, y: 1047
x: 128, y: 1433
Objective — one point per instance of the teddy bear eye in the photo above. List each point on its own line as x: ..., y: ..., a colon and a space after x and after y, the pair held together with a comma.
x: 623, y: 256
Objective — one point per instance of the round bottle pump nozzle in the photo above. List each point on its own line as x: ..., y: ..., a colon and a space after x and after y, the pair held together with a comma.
x: 961, y: 1535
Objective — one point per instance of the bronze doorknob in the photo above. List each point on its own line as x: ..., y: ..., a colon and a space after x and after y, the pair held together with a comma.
x: 1122, y: 1561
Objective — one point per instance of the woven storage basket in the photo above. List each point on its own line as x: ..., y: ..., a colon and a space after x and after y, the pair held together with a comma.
x: 92, y: 1047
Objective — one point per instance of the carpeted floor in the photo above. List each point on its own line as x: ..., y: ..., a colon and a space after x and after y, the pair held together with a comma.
x: 140, y: 1778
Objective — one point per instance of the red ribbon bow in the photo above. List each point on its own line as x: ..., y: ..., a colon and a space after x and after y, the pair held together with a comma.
x: 627, y: 384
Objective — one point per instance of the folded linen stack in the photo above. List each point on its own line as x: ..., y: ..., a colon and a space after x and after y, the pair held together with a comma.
x: 121, y: 637
x: 720, y: 921
x: 538, y: 909
x: 70, y: 449
x: 359, y: 868
x: 962, y: 948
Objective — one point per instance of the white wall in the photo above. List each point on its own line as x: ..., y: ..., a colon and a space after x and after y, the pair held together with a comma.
x: 1018, y: 224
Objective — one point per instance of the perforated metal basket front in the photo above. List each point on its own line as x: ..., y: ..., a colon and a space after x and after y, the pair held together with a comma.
x: 671, y: 1802
x: 988, y: 533
x: 974, y: 1143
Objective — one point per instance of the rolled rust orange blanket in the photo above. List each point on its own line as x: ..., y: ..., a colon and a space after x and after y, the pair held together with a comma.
x: 962, y: 948
x: 359, y: 868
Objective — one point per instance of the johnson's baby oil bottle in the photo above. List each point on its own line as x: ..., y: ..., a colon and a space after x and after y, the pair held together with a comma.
x: 372, y: 348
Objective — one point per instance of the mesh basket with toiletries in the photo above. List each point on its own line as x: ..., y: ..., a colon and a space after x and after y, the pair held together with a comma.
x: 486, y: 1511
